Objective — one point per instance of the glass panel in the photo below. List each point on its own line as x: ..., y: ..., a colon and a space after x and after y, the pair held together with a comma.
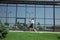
x: 11, y: 26
x: 39, y: 5
x: 11, y: 4
x: 57, y: 12
x: 40, y: 21
x: 57, y: 0
x: 20, y: 20
x: 48, y: 12
x: 11, y: 11
x: 48, y: 6
x: 57, y: 6
x: 32, y: 0
x: 30, y: 5
x: 28, y: 22
x: 2, y: 11
x: 44, y: 0
x: 20, y: 4
x: 57, y: 22
x: 3, y: 20
x: 30, y: 12
x: 49, y: 27
x: 39, y: 12
x: 39, y: 0
x: 3, y: 4
x: 48, y: 21
x: 11, y: 20
x: 57, y: 25
x: 48, y: 0
x: 21, y: 12
x: 40, y: 27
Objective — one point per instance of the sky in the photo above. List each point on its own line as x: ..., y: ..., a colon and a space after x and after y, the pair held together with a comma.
x: 30, y: 12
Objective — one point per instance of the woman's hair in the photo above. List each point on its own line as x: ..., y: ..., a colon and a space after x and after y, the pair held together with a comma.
x: 32, y: 18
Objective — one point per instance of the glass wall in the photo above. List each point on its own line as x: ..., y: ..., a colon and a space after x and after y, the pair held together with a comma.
x: 21, y: 14
x: 57, y: 18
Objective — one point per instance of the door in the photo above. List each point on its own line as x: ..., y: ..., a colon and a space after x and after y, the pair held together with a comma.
x: 21, y: 20
x: 21, y: 23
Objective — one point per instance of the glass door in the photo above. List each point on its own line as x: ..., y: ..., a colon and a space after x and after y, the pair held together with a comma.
x: 21, y: 23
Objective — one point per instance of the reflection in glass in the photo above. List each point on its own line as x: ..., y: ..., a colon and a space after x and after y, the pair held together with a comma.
x: 11, y: 11
x: 20, y: 20
x: 57, y: 6
x: 3, y: 20
x: 11, y: 4
x: 20, y: 4
x: 11, y: 26
x: 29, y: 5
x: 44, y: 0
x: 48, y: 6
x: 2, y: 11
x: 57, y: 12
x: 48, y: 0
x: 41, y: 21
x: 48, y: 21
x: 57, y: 22
x: 39, y: 12
x: 48, y: 12
x: 3, y: 4
x: 30, y: 12
x: 11, y: 20
x: 27, y: 21
x: 21, y: 12
x: 49, y: 27
x: 57, y: 0
x: 39, y: 0
x: 40, y: 27
x: 57, y: 25
x: 40, y: 6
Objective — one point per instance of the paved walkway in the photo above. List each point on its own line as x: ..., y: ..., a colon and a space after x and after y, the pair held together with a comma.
x: 36, y: 31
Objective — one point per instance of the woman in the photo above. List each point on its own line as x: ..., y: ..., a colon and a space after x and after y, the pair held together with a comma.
x: 31, y: 24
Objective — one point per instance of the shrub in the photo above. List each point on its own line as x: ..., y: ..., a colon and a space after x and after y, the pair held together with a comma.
x: 3, y: 30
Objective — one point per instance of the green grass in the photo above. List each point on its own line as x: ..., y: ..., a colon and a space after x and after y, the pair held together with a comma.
x: 31, y: 36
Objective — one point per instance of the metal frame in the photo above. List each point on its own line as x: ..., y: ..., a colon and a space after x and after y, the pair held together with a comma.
x: 32, y: 2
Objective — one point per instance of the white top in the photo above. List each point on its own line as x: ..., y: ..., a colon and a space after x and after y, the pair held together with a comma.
x: 32, y: 21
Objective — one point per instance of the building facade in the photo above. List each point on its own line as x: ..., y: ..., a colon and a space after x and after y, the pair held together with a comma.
x: 46, y: 14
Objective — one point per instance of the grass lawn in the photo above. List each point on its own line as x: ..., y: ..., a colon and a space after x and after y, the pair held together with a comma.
x: 31, y: 36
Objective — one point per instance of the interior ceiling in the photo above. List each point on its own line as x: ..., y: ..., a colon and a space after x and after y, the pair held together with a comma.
x: 30, y: 2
